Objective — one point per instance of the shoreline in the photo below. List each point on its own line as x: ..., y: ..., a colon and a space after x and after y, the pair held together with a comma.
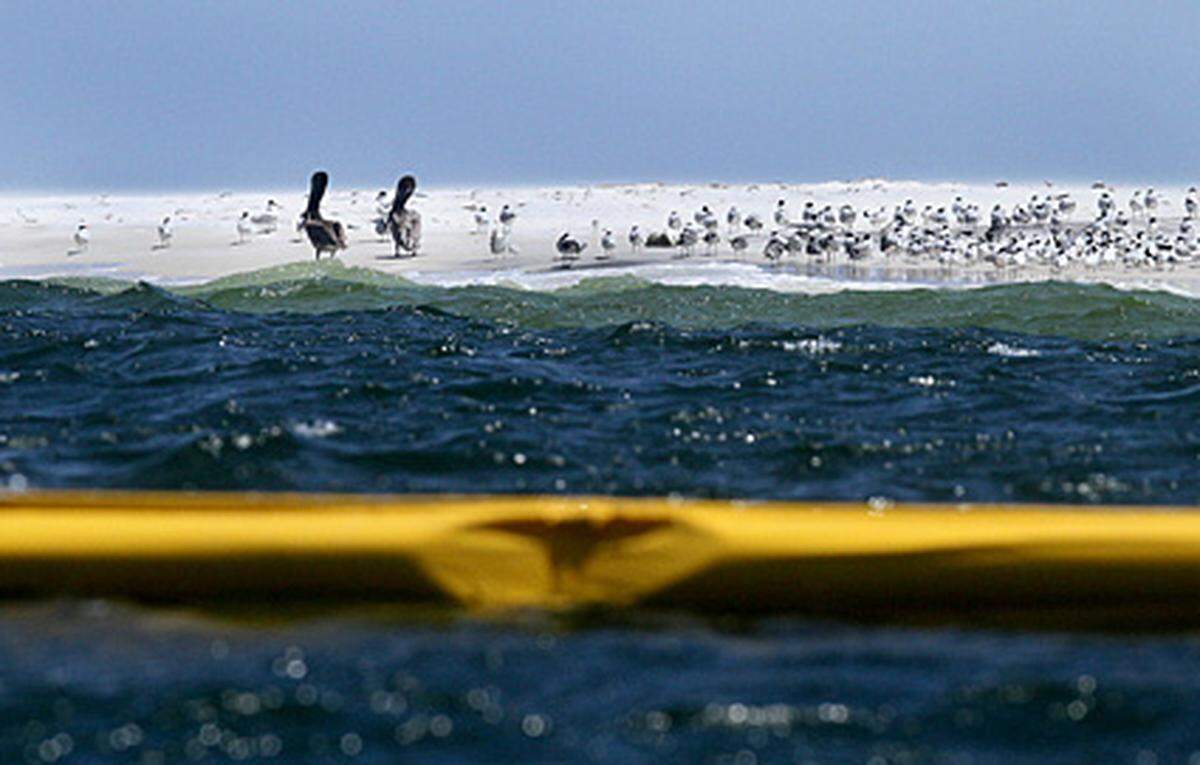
x: 35, y: 236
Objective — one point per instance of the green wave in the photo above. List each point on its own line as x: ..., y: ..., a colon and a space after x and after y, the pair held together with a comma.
x: 1083, y: 311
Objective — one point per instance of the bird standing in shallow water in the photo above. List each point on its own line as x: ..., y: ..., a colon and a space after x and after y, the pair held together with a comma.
x: 324, y: 235
x: 403, y: 223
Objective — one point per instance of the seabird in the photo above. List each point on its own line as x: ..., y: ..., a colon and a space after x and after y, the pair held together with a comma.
x: 82, y: 237
x: 687, y: 240
x: 739, y: 243
x: 635, y: 239
x: 382, y: 208
x: 608, y: 244
x: 569, y: 249
x: 243, y: 227
x: 404, y: 224
x: 1135, y: 204
x: 674, y: 222
x: 481, y: 220
x: 808, y: 214
x: 507, y: 216
x: 268, y: 220
x: 847, y: 215
x: 775, y: 247
x: 734, y: 219
x: 754, y: 223
x: 165, y: 233
x: 499, y: 243
x: 325, y: 235
x: 780, y: 213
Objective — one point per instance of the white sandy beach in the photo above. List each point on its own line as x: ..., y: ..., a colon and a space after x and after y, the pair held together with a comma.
x: 36, y: 234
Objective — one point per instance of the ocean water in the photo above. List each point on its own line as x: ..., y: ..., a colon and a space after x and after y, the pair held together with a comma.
x: 335, y: 379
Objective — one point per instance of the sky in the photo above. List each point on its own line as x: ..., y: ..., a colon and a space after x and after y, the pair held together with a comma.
x: 147, y: 95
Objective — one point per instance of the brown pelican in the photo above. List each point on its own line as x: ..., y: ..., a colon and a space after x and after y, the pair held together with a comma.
x: 405, y: 224
x: 325, y: 235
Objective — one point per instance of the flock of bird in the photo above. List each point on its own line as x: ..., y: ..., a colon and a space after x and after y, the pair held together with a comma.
x: 327, y: 236
x: 1043, y: 231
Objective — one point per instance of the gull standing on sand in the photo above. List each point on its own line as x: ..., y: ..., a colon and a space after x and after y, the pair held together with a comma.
x: 847, y: 215
x: 268, y: 220
x: 674, y: 222
x: 82, y: 237
x: 687, y: 240
x: 324, y: 235
x: 781, y: 218
x: 498, y: 242
x: 507, y: 216
x: 382, y: 208
x: 481, y: 219
x: 403, y: 223
x: 608, y: 244
x: 243, y: 227
x: 739, y: 244
x: 754, y: 223
x: 775, y: 248
x: 635, y: 239
x: 165, y: 234
x: 734, y: 219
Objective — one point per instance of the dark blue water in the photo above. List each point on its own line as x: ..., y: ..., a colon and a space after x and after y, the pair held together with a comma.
x: 346, y: 382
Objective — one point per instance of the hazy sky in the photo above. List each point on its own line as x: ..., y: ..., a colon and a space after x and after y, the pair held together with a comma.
x: 148, y: 95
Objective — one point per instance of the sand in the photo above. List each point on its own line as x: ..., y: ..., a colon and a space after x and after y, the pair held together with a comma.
x: 36, y: 234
